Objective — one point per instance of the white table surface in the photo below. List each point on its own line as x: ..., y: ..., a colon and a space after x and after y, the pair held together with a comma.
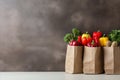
x: 54, y: 76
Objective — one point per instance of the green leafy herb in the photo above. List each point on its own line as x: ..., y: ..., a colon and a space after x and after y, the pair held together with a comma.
x: 75, y: 33
x: 114, y: 35
x: 68, y: 37
x: 72, y: 36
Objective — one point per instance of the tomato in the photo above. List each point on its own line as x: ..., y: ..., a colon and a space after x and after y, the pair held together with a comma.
x: 84, y: 41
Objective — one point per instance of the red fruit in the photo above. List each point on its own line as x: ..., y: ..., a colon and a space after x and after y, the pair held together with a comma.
x: 71, y: 43
x: 96, y: 39
x: 79, y: 39
x: 89, y: 40
x: 94, y: 34
x: 74, y: 43
x: 84, y: 41
x: 92, y: 44
x: 97, y: 34
x: 89, y: 44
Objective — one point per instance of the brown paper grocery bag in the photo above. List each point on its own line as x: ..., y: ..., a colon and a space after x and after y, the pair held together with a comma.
x: 112, y: 60
x: 73, y: 63
x: 92, y: 60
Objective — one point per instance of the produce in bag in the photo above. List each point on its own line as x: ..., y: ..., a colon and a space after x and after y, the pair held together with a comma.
x: 74, y: 62
x: 93, y: 57
x: 112, y: 53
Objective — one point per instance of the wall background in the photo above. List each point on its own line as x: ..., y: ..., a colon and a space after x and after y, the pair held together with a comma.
x: 31, y: 31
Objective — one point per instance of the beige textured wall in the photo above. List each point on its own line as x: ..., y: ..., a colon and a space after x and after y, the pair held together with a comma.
x: 31, y: 31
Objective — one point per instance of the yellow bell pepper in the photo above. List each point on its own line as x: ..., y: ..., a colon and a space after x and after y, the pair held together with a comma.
x: 86, y: 35
x: 103, y: 41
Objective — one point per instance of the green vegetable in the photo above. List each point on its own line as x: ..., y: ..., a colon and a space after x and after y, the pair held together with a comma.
x: 114, y: 35
x: 72, y: 36
x: 75, y: 33
x: 68, y: 37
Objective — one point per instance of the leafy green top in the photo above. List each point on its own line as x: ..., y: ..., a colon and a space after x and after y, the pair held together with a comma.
x: 72, y: 36
x: 114, y: 35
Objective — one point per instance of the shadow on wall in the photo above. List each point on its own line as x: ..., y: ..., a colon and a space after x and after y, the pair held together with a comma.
x: 31, y: 31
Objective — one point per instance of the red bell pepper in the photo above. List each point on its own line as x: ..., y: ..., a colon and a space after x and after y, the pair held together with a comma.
x: 79, y: 39
x: 97, y: 34
x: 96, y: 39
